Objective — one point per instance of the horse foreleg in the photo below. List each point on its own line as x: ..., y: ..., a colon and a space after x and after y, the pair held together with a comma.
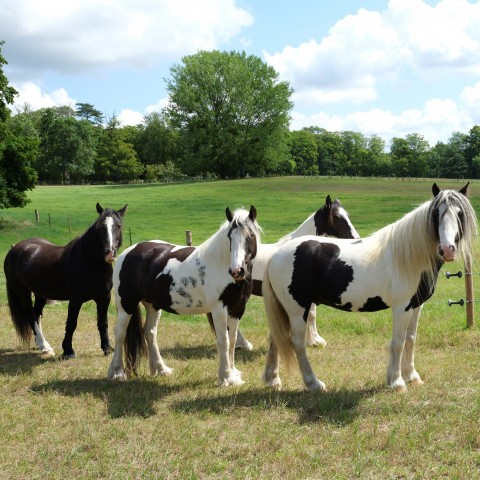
x: 271, y: 374
x: 232, y: 324
x: 40, y: 340
x: 401, y: 320
x: 72, y: 318
x: 409, y: 374
x: 313, y: 338
x: 102, y: 322
x: 116, y: 370
x: 156, y: 362
x: 297, y: 326
x: 226, y: 375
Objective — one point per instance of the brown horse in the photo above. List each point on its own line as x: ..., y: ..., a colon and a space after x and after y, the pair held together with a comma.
x: 78, y: 272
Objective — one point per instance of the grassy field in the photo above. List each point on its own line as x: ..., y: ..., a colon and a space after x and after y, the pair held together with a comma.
x: 63, y: 419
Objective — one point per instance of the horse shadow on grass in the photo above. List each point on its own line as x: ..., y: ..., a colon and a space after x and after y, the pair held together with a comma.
x: 199, y: 352
x: 133, y: 398
x: 14, y: 362
x: 335, y: 407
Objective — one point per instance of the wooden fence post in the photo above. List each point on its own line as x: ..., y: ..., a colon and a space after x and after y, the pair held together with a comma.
x: 188, y: 237
x: 37, y: 216
x: 469, y: 295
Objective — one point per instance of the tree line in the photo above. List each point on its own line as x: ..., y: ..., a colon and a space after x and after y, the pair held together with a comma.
x: 228, y: 116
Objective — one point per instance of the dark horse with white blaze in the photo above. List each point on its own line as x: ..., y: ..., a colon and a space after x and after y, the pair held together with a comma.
x: 331, y: 220
x: 78, y: 272
x: 396, y: 267
x: 213, y: 277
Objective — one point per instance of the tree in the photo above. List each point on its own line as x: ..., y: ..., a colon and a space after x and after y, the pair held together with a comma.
x: 303, y: 148
x: 7, y: 92
x: 117, y: 160
x: 231, y: 112
x: 409, y: 156
x: 86, y: 111
x: 156, y: 143
x: 68, y: 147
x: 17, y: 151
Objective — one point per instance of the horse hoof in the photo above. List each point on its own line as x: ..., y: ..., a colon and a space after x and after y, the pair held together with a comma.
x: 417, y: 381
x: 107, y: 351
x: 68, y: 356
x: 47, y: 353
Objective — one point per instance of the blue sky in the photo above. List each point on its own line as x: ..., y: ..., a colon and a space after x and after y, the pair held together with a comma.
x: 378, y: 67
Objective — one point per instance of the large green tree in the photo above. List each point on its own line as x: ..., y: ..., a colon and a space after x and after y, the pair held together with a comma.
x: 116, y: 160
x: 232, y: 113
x: 68, y: 147
x: 17, y: 150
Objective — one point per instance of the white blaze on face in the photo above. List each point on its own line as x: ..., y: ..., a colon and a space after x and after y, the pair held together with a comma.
x: 448, y: 231
x: 343, y: 213
x: 110, y: 257
x: 237, y: 246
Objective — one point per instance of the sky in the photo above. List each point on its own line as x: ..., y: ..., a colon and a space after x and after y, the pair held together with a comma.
x: 381, y: 67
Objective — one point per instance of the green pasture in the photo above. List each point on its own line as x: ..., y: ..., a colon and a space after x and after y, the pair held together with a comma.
x: 63, y: 419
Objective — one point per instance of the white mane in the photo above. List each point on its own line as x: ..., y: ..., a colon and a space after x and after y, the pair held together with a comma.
x: 413, y: 239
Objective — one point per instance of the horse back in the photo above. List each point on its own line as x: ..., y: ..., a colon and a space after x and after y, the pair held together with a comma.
x: 141, y: 273
x: 50, y: 271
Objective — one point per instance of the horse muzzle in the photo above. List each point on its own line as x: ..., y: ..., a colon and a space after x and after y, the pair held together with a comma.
x: 237, y: 273
x: 447, y: 252
x: 111, y: 256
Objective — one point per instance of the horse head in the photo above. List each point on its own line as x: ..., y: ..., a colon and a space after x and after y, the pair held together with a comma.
x: 453, y: 218
x: 242, y: 233
x: 109, y: 226
x: 332, y: 219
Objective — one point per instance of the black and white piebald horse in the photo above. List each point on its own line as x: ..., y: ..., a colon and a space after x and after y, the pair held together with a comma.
x: 332, y: 220
x: 213, y: 277
x: 78, y: 272
x: 396, y: 267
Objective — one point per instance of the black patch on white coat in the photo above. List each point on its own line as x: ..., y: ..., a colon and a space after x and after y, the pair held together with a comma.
x: 142, y: 278
x: 425, y: 289
x: 236, y: 294
x: 319, y: 276
x: 373, y: 304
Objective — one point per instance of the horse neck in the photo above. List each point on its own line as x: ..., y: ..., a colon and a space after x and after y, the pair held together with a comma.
x: 216, y: 247
x: 88, y: 245
x: 409, y: 244
x: 306, y: 228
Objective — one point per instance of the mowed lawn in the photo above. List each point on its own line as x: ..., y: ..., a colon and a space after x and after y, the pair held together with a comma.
x: 64, y: 419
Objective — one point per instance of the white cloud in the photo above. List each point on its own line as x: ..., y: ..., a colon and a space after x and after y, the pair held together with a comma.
x: 436, y: 121
x: 367, y: 48
x: 78, y: 35
x: 130, y: 117
x: 31, y: 94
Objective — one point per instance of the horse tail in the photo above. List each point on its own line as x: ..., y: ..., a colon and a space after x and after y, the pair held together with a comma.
x: 135, y: 344
x: 279, y: 323
x: 21, y: 311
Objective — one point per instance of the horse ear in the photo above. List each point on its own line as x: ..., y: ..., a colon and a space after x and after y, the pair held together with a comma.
x: 253, y: 213
x: 464, y: 190
x: 122, y: 211
x: 229, y: 215
x: 99, y: 208
x: 435, y: 190
x: 328, y: 202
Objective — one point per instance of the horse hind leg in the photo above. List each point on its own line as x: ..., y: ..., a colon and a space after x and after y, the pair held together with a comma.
x: 44, y: 347
x: 312, y: 383
x: 71, y: 326
x: 313, y: 338
x: 242, y: 342
x: 156, y: 362
x: 271, y: 374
